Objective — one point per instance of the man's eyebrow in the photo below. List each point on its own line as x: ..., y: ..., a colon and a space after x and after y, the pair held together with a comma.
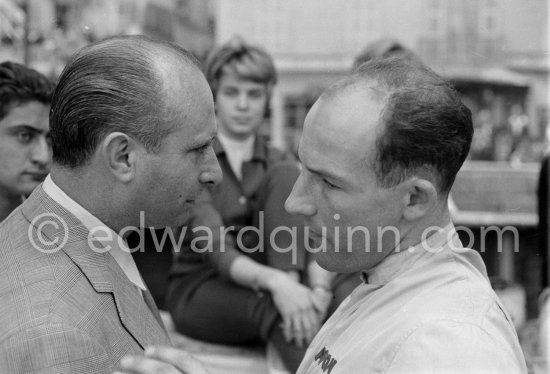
x: 318, y: 171
x: 202, y: 142
x: 322, y: 172
x: 26, y: 128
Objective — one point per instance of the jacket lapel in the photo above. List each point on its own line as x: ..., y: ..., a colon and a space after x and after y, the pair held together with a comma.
x: 99, y: 267
x: 152, y: 306
x: 133, y: 311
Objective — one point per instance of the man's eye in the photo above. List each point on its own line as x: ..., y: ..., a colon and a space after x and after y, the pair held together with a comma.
x: 328, y: 184
x: 202, y: 149
x: 24, y: 137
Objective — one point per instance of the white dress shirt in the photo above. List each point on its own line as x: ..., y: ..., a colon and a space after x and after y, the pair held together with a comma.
x: 119, y: 250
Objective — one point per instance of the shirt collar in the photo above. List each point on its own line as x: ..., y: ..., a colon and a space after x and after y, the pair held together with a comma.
x: 259, y: 153
x: 398, y: 262
x: 246, y: 145
x: 119, y: 249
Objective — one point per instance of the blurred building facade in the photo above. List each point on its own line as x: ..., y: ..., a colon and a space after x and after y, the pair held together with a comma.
x: 44, y: 33
x: 496, y: 51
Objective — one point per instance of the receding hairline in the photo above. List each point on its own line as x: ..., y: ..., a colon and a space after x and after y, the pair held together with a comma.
x: 368, y: 86
x: 164, y: 59
x: 162, y: 55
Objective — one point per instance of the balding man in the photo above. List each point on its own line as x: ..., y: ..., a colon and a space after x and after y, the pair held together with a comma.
x: 380, y: 151
x: 132, y: 122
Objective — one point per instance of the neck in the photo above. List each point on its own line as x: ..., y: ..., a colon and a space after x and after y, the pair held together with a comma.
x: 86, y: 190
x: 439, y: 216
x: 241, y: 138
x: 8, y: 204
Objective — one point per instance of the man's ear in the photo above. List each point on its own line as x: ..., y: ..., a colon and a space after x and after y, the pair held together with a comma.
x: 420, y: 198
x: 118, y: 151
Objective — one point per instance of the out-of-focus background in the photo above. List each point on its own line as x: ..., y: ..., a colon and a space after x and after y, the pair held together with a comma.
x: 496, y: 53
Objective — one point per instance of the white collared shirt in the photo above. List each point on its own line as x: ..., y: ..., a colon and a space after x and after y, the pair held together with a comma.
x: 237, y: 151
x: 119, y: 250
x: 428, y: 309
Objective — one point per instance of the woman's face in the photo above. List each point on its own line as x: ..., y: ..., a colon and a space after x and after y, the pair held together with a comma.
x: 240, y: 106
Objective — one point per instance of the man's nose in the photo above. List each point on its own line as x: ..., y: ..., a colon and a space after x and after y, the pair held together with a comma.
x: 41, y: 153
x: 212, y: 173
x: 299, y: 201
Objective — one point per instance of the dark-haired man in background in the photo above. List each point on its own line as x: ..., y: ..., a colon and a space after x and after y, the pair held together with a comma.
x: 127, y: 113
x: 25, y: 151
x: 380, y: 151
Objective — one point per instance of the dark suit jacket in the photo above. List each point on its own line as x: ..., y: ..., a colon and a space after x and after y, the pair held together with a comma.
x: 72, y: 310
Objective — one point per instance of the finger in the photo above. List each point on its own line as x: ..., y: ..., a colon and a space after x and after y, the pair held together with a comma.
x: 298, y: 329
x: 287, y: 329
x: 145, y: 365
x: 179, y: 358
x: 309, y: 322
x: 314, y: 326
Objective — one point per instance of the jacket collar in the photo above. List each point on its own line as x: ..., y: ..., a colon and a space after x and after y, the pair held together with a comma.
x: 60, y: 228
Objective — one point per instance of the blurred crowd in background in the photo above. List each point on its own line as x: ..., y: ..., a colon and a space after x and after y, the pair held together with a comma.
x: 495, y: 52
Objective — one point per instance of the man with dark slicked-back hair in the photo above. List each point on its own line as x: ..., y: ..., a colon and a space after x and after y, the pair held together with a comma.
x: 25, y: 152
x: 380, y: 151
x: 128, y: 113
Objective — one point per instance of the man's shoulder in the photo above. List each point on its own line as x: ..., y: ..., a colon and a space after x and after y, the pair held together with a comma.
x: 18, y: 255
x: 449, y: 284
x: 16, y: 241
x: 463, y: 345
x: 14, y: 222
x: 34, y: 284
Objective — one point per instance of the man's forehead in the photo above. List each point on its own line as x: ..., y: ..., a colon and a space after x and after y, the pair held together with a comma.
x: 352, y: 109
x: 186, y: 91
x: 180, y: 79
x: 343, y: 125
x: 33, y: 114
x: 361, y: 93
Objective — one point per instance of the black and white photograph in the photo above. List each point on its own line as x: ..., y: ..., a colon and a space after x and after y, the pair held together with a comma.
x: 274, y: 186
